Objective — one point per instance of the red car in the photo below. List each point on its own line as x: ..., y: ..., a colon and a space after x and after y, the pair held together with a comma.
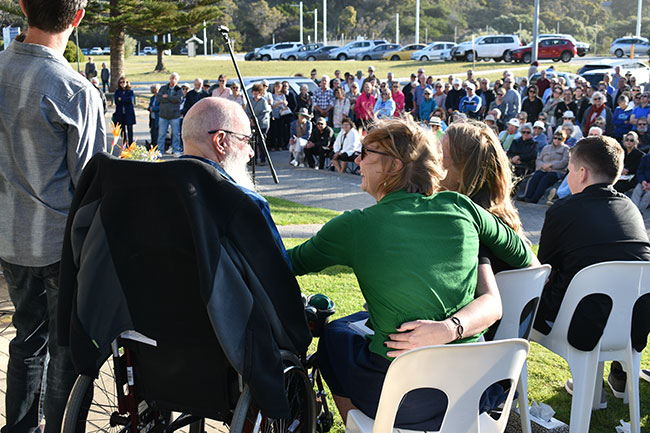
x: 551, y: 48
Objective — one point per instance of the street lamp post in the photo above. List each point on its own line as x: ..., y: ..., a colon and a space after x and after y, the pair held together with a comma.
x: 301, y: 27
x: 324, y: 22
x: 397, y: 29
x: 417, y: 21
x: 638, y: 19
x: 535, y: 31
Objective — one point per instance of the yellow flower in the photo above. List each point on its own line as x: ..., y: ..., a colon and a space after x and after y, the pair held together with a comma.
x: 128, y: 151
x: 117, y: 128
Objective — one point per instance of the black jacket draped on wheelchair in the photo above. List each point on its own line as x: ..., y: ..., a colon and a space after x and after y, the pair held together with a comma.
x: 182, y: 256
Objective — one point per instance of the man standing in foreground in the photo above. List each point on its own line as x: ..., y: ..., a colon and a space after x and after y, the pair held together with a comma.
x: 595, y: 224
x: 217, y: 132
x: 170, y: 96
x: 53, y: 123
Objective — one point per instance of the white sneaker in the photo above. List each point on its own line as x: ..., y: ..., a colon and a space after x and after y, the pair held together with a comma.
x: 178, y: 153
x: 294, y: 163
x: 645, y: 375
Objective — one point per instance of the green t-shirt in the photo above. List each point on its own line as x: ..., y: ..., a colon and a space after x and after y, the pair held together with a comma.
x: 415, y: 257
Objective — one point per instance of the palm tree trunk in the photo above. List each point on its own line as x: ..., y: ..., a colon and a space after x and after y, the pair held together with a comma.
x: 117, y: 45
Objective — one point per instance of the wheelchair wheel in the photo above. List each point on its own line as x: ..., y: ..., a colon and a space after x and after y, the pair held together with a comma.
x: 93, y: 405
x: 302, y: 405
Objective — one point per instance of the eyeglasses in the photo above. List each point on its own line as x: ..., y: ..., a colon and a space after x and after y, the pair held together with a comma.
x: 241, y: 137
x: 525, y: 132
x: 629, y: 140
x: 365, y: 150
x: 558, y: 137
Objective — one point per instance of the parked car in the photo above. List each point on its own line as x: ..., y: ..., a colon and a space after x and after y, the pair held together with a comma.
x: 568, y: 77
x: 377, y: 52
x: 497, y: 47
x: 582, y: 47
x: 85, y: 51
x: 293, y: 54
x: 184, y: 51
x: 353, y: 48
x: 549, y: 48
x: 149, y: 50
x: 106, y: 50
x: 95, y: 51
x: 274, y: 51
x: 403, y: 53
x: 638, y: 69
x: 623, y: 46
x: 321, y: 53
x: 432, y: 51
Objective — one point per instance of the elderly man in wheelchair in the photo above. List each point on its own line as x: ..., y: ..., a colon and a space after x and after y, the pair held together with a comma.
x: 175, y: 273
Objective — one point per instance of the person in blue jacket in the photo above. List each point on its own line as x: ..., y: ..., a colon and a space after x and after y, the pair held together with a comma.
x: 124, y: 111
x: 427, y: 106
x: 471, y: 103
x: 621, y: 118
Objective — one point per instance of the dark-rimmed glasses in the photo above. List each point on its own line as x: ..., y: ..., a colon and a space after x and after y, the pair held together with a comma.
x: 558, y: 137
x: 239, y: 136
x: 365, y: 150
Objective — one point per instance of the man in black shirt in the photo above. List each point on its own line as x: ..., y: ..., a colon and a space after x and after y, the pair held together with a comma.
x: 320, y: 143
x: 193, y: 96
x: 595, y: 224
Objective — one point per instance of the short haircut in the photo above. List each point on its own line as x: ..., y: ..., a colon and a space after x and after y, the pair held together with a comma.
x: 52, y: 16
x: 602, y: 155
x: 257, y: 87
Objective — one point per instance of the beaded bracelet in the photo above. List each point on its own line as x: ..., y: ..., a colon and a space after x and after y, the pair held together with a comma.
x: 459, y: 327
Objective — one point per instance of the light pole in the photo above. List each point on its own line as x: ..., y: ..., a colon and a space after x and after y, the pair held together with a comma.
x: 535, y: 31
x: 205, y: 40
x: 638, y: 20
x: 300, y: 6
x: 397, y: 29
x: 324, y: 22
x: 417, y: 21
x: 315, y: 12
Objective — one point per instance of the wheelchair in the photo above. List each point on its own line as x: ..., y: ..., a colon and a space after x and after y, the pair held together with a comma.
x: 172, y: 324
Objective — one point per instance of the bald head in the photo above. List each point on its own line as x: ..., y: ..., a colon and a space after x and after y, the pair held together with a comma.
x: 210, y: 114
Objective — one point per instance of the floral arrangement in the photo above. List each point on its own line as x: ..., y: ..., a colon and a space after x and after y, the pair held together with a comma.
x: 133, y: 152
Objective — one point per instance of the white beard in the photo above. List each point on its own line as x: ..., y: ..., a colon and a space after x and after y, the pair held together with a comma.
x: 235, y: 165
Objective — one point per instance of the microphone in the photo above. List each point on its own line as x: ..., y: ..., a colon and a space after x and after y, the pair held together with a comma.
x: 223, y: 30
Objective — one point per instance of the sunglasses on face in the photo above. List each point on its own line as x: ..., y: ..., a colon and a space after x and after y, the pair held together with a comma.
x: 629, y: 140
x: 365, y: 150
x: 557, y: 137
x: 525, y: 132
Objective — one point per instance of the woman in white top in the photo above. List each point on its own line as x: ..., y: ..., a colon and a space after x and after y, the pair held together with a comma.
x: 347, y: 146
x: 237, y: 96
x: 341, y: 109
x: 222, y: 91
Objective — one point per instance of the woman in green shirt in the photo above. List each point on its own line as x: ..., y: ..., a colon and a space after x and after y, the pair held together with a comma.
x: 415, y: 255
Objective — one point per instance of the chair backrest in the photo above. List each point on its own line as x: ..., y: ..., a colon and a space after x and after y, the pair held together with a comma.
x: 623, y: 282
x: 519, y: 288
x: 462, y: 371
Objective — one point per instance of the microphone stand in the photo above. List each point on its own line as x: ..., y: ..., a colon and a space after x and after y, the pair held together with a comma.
x: 224, y: 32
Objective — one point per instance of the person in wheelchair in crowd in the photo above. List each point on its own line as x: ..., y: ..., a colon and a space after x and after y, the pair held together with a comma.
x: 225, y: 314
x: 408, y: 280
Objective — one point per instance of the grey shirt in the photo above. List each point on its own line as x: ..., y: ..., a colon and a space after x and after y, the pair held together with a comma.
x: 513, y: 101
x: 170, y: 107
x: 51, y: 124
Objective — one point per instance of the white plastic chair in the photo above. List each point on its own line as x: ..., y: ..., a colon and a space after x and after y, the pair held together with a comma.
x: 517, y: 288
x: 462, y: 371
x: 624, y: 283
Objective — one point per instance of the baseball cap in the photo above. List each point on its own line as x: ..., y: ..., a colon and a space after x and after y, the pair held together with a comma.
x: 490, y: 117
x: 569, y: 115
x: 514, y: 122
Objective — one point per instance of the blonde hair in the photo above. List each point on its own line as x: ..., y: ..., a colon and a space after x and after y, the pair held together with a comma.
x: 415, y: 147
x: 484, y: 169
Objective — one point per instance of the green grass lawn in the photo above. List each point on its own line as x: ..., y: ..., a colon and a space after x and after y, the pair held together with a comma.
x: 140, y: 68
x: 286, y: 212
x: 547, y: 372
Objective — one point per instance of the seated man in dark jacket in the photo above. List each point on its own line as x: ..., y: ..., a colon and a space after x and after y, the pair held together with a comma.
x: 320, y: 143
x: 523, y: 151
x: 595, y: 224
